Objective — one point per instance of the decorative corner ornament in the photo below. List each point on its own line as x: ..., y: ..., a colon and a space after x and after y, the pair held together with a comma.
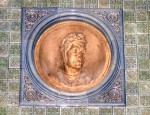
x: 72, y: 57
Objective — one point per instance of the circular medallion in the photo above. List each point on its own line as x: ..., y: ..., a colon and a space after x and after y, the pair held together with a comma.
x: 114, y: 94
x: 112, y: 17
x: 72, y: 56
x: 32, y: 16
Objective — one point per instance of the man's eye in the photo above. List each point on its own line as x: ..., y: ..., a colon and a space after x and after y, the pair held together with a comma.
x: 75, y: 50
x: 83, y: 51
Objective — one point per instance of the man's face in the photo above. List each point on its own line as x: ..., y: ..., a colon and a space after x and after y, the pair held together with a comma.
x: 75, y: 56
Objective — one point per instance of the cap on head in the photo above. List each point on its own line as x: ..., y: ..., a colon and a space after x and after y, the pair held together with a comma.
x: 69, y: 41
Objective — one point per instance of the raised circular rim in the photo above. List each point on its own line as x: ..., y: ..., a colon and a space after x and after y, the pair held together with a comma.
x: 49, y: 20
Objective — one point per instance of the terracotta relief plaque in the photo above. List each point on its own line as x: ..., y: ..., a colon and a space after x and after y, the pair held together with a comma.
x: 72, y: 57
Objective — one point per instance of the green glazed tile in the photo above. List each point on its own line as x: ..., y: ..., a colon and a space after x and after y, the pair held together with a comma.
x: 16, y: 3
x: 148, y: 6
x: 4, y: 14
x: 144, y: 75
x: 143, y: 52
x: 144, y: 87
x: 3, y: 100
x: 3, y: 73
x: 14, y: 86
x: 145, y: 100
x: 15, y: 49
x: 148, y: 14
x: 130, y: 27
x: 3, y: 110
x: 15, y: 26
x: 5, y: 3
x: 4, y: 50
x: 14, y: 74
x: 67, y: 1
x: 149, y: 39
x: 53, y: 3
x: 79, y: 3
x: 132, y: 111
x: 3, y: 86
x: 41, y: 3
x: 142, y: 27
x: 132, y: 100
x: 131, y: 87
x: 105, y: 111
x: 129, y: 4
x: 39, y: 110
x: 3, y: 62
x: 129, y: 15
x: 13, y: 99
x: 4, y: 26
x: 149, y: 27
x: 131, y: 63
x: 53, y: 110
x: 29, y: 3
x: 119, y: 111
x: 131, y: 75
x: 66, y: 5
x: 142, y: 39
x: 13, y: 110
x: 15, y: 37
x: 14, y: 62
x: 4, y: 37
x: 130, y: 51
x: 141, y: 4
x: 15, y: 14
x: 91, y: 110
x: 144, y: 110
x: 130, y: 40
x: 67, y: 111
x: 80, y: 111
x: 91, y: 3
x: 26, y: 110
x: 143, y: 64
x: 116, y: 4
x: 141, y: 15
x: 104, y: 3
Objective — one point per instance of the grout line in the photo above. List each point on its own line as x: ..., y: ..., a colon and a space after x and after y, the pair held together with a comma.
x: 60, y: 111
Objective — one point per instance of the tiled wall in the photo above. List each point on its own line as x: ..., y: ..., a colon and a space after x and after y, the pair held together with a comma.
x: 137, y: 52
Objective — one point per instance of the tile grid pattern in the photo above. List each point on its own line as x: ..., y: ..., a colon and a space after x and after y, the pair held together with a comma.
x: 137, y: 53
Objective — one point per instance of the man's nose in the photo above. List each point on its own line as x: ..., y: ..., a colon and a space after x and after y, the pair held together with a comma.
x: 79, y: 52
x: 79, y: 55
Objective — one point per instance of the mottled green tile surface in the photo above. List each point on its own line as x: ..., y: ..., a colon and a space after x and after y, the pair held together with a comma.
x: 137, y: 57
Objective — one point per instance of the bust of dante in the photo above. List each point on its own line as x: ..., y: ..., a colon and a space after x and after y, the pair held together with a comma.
x: 72, y: 49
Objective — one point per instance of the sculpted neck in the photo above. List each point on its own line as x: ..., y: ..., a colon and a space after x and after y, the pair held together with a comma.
x: 71, y: 72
